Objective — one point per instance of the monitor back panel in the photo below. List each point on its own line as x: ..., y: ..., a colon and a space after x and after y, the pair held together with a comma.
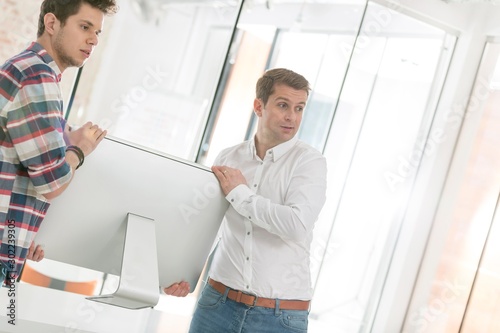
x: 85, y: 226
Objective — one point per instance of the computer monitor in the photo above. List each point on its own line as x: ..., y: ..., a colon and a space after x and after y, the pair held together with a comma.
x: 148, y: 217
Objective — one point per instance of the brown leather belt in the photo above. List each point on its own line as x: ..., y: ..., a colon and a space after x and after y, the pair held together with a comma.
x: 251, y: 300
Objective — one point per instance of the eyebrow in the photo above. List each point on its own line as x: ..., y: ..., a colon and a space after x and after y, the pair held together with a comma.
x: 279, y: 98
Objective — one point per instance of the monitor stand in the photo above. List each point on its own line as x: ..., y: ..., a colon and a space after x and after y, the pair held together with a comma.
x: 139, y: 282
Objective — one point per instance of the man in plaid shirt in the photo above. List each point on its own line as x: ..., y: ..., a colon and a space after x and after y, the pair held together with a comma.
x: 38, y: 153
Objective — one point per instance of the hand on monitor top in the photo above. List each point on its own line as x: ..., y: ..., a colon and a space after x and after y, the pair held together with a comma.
x: 35, y: 253
x: 180, y: 289
x: 86, y: 137
x: 228, y: 177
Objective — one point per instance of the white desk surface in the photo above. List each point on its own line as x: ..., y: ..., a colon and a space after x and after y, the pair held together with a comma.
x: 44, y: 310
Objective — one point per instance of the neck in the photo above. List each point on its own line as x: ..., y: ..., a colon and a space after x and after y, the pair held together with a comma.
x: 45, y: 42
x: 261, y: 146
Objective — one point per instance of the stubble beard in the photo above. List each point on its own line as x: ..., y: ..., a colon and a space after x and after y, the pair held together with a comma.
x: 65, y: 59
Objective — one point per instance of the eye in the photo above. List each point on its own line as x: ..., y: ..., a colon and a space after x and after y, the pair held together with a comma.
x: 282, y: 105
x: 299, y: 108
x: 85, y: 27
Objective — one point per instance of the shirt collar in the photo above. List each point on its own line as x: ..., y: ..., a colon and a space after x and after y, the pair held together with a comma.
x: 277, y: 151
x: 46, y: 58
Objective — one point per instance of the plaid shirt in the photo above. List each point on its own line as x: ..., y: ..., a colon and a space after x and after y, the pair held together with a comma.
x: 32, y: 150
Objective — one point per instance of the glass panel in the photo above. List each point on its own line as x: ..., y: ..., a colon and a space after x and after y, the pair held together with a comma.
x: 153, y: 81
x: 325, y: 68
x: 377, y: 140
x: 285, y: 34
x: 449, y: 293
x: 483, y: 306
x: 234, y: 109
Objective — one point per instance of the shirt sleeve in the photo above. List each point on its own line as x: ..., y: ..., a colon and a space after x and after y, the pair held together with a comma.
x: 34, y: 126
x: 294, y: 218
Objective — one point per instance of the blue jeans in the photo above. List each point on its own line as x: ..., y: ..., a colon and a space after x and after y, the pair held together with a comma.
x: 215, y: 313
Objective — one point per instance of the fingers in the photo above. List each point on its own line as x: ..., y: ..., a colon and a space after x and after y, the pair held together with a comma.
x: 101, y: 136
x: 229, y: 178
x: 180, y: 289
x: 218, y: 172
x: 39, y: 253
x: 88, y: 124
x: 97, y: 132
x: 35, y: 253
x: 88, y: 137
x: 94, y: 129
x: 222, y: 171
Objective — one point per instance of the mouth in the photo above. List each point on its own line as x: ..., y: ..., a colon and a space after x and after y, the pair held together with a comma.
x: 86, y: 53
x: 287, y: 128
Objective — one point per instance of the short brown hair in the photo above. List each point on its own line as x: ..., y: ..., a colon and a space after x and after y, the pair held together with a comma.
x: 62, y: 9
x: 271, y: 78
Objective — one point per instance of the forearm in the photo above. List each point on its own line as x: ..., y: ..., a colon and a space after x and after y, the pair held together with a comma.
x: 73, y: 161
x: 290, y: 221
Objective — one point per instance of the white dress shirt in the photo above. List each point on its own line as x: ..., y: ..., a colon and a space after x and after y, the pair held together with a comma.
x: 266, y: 234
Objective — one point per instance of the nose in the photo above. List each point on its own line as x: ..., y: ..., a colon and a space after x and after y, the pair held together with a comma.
x: 93, y: 40
x: 290, y: 115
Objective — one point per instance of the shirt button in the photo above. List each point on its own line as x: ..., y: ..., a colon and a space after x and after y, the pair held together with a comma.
x: 248, y: 286
x: 232, y: 200
x: 248, y: 258
x: 250, y: 217
x: 248, y: 233
x: 254, y: 185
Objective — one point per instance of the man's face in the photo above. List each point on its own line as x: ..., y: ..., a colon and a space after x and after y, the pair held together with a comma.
x: 280, y: 118
x: 76, y: 39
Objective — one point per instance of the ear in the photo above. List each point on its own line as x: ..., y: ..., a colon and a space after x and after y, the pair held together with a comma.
x: 51, y: 23
x: 258, y: 106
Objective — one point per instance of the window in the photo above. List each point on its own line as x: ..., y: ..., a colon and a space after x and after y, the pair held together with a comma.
x: 457, y: 288
x: 376, y: 76
x: 153, y: 79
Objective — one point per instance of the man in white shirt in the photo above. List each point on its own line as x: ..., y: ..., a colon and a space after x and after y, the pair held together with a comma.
x: 260, y: 275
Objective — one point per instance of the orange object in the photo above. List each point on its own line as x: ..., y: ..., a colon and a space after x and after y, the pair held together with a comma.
x: 32, y: 276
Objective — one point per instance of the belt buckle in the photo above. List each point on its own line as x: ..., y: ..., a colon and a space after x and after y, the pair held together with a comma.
x: 255, y: 297
x: 254, y: 301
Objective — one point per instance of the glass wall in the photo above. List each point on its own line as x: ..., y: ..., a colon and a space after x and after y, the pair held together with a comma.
x: 314, y: 39
x: 376, y: 77
x: 461, y: 293
x: 153, y: 79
